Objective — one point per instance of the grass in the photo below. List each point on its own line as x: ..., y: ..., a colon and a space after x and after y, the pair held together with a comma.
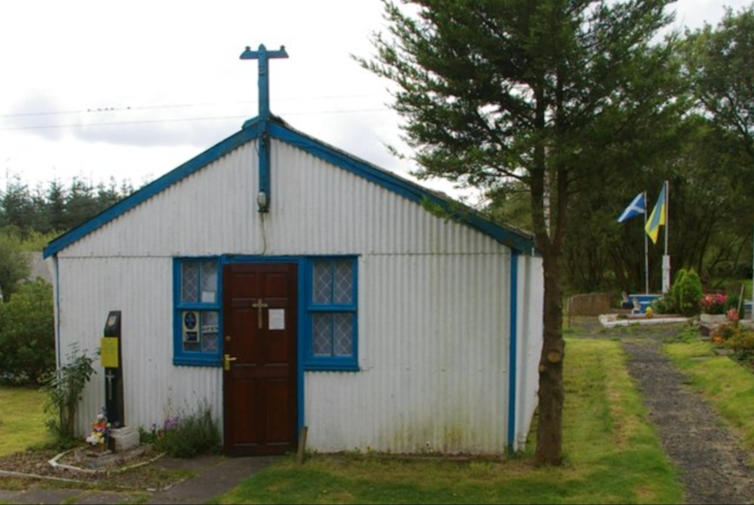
x: 724, y: 382
x: 22, y: 420
x: 613, y: 456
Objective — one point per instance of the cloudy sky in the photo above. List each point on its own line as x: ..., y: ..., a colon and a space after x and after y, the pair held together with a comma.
x: 130, y: 90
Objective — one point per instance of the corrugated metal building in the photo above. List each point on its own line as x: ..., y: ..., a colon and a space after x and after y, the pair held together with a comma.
x: 285, y: 283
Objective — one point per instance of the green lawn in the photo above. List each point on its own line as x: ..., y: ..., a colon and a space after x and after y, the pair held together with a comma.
x: 725, y: 383
x: 21, y: 420
x: 613, y: 456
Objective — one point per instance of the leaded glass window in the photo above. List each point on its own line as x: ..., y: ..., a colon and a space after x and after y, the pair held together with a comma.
x: 332, y: 302
x: 199, y: 282
x: 198, y: 308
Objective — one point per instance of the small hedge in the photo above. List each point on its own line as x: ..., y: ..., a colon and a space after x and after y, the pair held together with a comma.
x: 27, y: 334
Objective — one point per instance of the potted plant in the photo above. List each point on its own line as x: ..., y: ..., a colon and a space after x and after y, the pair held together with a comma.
x: 713, y: 308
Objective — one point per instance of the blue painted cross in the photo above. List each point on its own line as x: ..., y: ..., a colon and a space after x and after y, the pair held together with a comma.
x: 263, y: 55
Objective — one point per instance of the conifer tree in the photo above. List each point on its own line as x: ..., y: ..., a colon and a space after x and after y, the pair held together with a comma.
x: 554, y: 95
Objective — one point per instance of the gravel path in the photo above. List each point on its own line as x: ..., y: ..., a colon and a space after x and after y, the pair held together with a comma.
x: 711, y: 464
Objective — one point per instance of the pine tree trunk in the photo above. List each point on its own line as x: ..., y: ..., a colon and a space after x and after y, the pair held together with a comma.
x: 550, y: 428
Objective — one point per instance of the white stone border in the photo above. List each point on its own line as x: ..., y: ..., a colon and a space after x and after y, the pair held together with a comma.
x: 54, y: 463
x: 610, y: 321
x: 45, y: 477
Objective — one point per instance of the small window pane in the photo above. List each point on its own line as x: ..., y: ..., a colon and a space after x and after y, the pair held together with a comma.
x: 209, y: 282
x: 322, y: 334
x: 343, y: 334
x: 322, y: 283
x: 191, y: 346
x: 343, y: 282
x: 190, y: 282
x: 210, y: 331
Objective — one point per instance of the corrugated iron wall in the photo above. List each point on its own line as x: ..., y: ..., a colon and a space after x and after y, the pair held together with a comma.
x: 530, y: 306
x: 433, y: 358
x: 142, y: 289
x: 433, y: 303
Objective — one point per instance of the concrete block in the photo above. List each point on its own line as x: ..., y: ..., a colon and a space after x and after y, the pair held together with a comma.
x: 125, y: 438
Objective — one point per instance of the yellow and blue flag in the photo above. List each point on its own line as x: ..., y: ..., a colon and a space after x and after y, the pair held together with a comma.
x: 657, y: 217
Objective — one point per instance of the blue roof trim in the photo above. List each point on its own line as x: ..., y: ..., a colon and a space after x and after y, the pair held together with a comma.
x: 513, y: 354
x: 277, y: 128
x: 251, y: 130
x: 512, y: 238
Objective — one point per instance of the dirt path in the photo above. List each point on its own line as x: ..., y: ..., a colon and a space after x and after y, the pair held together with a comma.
x: 711, y: 464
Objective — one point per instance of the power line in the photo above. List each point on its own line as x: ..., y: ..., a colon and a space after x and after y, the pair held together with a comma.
x: 193, y: 119
x: 96, y: 110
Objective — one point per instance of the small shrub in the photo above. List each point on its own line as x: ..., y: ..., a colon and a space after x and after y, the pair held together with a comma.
x: 63, y: 389
x: 665, y: 305
x: 731, y: 304
x: 687, y: 291
x: 742, y: 343
x: 725, y: 332
x: 186, y: 436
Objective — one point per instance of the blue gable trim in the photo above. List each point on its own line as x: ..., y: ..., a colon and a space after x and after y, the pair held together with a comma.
x: 277, y: 129
x: 511, y: 238
x: 250, y: 131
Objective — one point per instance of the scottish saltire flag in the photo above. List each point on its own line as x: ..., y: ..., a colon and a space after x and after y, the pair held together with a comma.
x: 636, y: 207
x: 657, y: 217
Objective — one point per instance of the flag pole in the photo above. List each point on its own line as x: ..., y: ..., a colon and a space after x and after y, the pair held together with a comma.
x: 666, y: 257
x: 646, y: 247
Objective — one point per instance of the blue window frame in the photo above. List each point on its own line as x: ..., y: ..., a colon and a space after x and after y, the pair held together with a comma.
x: 331, y: 325
x: 198, y: 312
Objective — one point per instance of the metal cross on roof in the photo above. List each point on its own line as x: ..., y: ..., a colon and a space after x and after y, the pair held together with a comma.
x: 263, y: 55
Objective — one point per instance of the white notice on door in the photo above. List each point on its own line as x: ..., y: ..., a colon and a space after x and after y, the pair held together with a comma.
x: 277, y: 319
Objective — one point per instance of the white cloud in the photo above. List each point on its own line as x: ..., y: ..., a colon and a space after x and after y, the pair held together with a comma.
x: 134, y: 89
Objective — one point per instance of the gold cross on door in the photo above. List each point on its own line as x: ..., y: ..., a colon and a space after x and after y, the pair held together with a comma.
x: 260, y: 305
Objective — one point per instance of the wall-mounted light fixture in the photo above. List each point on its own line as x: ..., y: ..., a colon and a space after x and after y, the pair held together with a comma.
x: 263, y: 203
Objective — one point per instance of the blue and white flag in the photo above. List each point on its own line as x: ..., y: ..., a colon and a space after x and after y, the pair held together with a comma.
x: 636, y: 207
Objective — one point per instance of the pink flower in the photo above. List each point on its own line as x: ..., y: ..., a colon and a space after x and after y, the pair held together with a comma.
x: 713, y: 303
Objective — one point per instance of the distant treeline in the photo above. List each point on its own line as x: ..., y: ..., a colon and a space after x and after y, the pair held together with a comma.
x: 56, y: 207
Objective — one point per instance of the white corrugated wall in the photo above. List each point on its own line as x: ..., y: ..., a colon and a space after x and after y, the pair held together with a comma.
x: 433, y: 358
x: 142, y: 289
x: 433, y: 303
x: 529, y: 349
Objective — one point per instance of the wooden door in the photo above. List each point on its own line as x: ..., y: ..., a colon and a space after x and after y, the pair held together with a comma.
x: 260, y: 335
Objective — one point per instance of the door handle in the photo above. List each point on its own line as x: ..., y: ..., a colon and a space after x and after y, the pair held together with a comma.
x: 227, y: 361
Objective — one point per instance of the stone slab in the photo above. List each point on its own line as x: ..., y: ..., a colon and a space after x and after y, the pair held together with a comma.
x: 125, y: 439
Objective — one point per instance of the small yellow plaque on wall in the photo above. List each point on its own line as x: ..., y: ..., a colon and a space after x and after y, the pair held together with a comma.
x: 109, y: 352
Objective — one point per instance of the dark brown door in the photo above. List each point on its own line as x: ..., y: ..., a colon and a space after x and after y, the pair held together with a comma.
x: 260, y: 336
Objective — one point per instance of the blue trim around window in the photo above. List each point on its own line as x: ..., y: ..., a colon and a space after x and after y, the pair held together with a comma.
x: 197, y: 358
x: 329, y: 363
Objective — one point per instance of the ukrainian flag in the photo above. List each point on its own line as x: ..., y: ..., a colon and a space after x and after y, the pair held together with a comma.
x: 657, y: 217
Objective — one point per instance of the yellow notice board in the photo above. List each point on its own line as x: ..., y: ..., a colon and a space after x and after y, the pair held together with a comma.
x: 109, y: 352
